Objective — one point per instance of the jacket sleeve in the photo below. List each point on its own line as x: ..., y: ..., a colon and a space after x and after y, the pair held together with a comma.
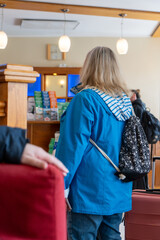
x: 12, y: 143
x: 138, y: 111
x: 75, y: 131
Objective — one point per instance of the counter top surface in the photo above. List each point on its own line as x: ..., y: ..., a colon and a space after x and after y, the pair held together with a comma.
x: 42, y: 122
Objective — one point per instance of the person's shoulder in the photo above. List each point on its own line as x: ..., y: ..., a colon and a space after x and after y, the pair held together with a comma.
x: 86, y: 98
x: 85, y: 94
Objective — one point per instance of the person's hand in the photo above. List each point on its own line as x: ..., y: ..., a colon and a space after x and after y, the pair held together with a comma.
x: 37, y: 157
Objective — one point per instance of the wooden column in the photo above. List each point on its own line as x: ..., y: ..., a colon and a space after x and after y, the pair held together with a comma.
x: 2, y: 109
x: 13, y: 94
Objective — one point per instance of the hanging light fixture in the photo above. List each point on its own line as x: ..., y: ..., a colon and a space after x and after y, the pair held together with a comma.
x: 122, y: 44
x: 3, y: 35
x: 64, y: 42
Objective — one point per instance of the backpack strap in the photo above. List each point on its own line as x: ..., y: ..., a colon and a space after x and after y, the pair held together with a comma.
x: 133, y: 113
x: 121, y: 176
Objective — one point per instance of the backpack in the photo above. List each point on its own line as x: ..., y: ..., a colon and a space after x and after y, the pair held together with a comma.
x: 134, y: 158
x: 151, y: 126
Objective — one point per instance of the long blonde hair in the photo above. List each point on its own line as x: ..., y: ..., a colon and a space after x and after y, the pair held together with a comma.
x: 100, y: 70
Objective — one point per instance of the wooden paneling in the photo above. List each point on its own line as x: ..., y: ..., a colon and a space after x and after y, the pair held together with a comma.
x: 156, y: 33
x: 2, y: 109
x: 41, y: 132
x: 58, y: 70
x: 157, y: 174
x: 84, y: 10
x: 156, y: 152
x: 156, y: 149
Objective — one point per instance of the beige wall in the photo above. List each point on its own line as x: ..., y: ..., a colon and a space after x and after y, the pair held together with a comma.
x: 140, y: 67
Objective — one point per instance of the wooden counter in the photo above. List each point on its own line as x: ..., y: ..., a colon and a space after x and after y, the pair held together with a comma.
x: 41, y: 132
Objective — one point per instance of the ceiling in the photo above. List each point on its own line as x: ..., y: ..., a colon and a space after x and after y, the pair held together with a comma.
x: 88, y: 23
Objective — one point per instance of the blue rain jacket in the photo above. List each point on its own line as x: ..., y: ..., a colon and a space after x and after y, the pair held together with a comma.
x: 94, y: 189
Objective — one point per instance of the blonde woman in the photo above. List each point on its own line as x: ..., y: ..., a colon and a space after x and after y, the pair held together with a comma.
x: 97, y: 197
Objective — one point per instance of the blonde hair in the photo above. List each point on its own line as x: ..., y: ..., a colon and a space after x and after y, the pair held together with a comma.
x: 100, y: 70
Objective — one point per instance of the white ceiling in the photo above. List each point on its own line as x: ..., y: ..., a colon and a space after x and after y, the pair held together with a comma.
x: 88, y: 25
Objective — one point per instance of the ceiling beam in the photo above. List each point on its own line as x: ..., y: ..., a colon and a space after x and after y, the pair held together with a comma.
x: 84, y: 10
x: 156, y: 33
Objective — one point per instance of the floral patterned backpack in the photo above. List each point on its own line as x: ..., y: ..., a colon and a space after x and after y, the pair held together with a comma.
x: 134, y: 158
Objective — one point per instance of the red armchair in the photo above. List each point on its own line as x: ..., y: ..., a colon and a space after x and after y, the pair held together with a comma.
x: 32, y: 204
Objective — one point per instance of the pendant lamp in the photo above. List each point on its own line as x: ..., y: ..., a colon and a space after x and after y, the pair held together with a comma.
x: 3, y: 35
x: 122, y: 44
x: 64, y: 42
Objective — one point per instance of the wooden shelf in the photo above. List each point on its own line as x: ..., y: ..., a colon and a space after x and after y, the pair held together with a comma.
x: 58, y: 70
x: 38, y: 131
x: 42, y: 122
x: 41, y: 132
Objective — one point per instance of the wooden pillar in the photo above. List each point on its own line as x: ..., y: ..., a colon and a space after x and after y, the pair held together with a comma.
x: 2, y: 109
x: 13, y: 94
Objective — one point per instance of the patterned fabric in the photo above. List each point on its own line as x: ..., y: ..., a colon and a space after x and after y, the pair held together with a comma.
x: 120, y: 106
x: 134, y: 159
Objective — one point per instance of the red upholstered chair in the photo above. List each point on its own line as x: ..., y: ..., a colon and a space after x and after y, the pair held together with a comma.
x: 32, y: 204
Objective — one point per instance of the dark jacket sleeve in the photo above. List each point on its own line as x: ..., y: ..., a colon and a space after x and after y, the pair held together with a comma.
x: 12, y: 143
x: 138, y: 111
x: 139, y: 108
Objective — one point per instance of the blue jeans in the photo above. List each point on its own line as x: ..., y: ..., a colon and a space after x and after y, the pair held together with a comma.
x: 86, y: 226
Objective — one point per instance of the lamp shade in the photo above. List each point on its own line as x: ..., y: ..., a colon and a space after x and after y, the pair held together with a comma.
x: 122, y: 46
x: 64, y: 43
x: 3, y: 40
